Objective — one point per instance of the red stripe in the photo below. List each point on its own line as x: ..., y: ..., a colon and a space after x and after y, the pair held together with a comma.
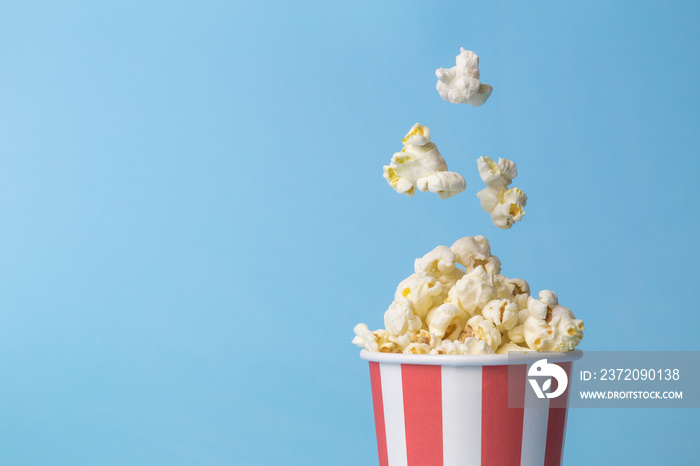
x: 501, y: 426
x: 376, y: 379
x: 556, y: 422
x: 422, y: 405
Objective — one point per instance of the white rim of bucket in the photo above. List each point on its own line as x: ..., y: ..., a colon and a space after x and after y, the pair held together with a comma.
x: 470, y: 359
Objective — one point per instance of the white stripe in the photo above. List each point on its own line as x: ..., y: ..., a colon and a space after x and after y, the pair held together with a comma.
x: 566, y: 417
x: 392, y: 396
x: 461, y: 415
x: 535, y: 417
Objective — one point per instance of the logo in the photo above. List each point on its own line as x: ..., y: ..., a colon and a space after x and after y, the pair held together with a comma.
x: 543, y: 369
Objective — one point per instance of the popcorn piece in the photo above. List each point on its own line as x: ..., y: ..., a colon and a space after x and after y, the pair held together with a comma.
x: 422, y: 290
x: 379, y: 340
x: 482, y: 329
x: 511, y: 347
x: 472, y: 345
x: 502, y: 313
x: 418, y: 135
x: 420, y: 165
x: 523, y: 315
x: 492, y: 265
x: 497, y: 174
x: 473, y: 291
x: 471, y: 251
x: 423, y: 337
x: 446, y: 321
x: 515, y: 290
x: 400, y: 318
x: 550, y: 326
x: 446, y: 347
x: 549, y: 297
x: 468, y: 346
x: 386, y: 342
x: 509, y: 209
x: 403, y: 341
x: 489, y: 198
x: 460, y: 84
x: 448, y: 281
x: 444, y: 184
x: 516, y: 333
x: 365, y: 338
x: 441, y: 259
x: 537, y: 308
x: 504, y: 338
x: 417, y: 348
x: 504, y: 288
x: 506, y: 206
x: 440, y: 264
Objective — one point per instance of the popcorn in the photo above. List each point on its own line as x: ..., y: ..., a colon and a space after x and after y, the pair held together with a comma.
x: 513, y: 347
x: 474, y: 346
x: 550, y: 326
x: 445, y: 184
x: 422, y: 290
x: 404, y: 340
x: 497, y: 175
x: 515, y: 290
x: 440, y: 263
x: 446, y: 347
x: 423, y: 342
x: 539, y: 308
x: 460, y: 84
x: 440, y: 309
x: 400, y: 318
x: 502, y: 313
x: 482, y: 329
x: 471, y: 251
x: 417, y: 348
x: 549, y: 297
x: 515, y: 334
x: 506, y: 206
x: 468, y: 346
x: 379, y: 340
x: 492, y: 265
x: 418, y: 135
x: 441, y: 259
x: 420, y: 165
x: 448, y: 280
x: 457, y: 301
x: 365, y: 338
x: 446, y: 321
x: 386, y: 342
x: 423, y: 336
x: 509, y: 208
x: 473, y: 291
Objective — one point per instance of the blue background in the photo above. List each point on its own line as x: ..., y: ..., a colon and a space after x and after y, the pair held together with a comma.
x: 193, y: 217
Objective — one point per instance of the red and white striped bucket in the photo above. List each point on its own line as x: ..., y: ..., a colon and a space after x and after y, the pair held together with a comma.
x: 452, y: 410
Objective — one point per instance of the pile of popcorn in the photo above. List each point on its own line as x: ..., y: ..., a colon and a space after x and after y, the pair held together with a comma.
x: 444, y: 309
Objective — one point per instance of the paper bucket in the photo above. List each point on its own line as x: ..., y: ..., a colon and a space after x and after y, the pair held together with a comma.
x: 452, y: 410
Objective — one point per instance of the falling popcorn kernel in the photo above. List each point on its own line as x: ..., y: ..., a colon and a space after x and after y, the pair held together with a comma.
x: 506, y: 206
x: 420, y: 165
x: 460, y: 84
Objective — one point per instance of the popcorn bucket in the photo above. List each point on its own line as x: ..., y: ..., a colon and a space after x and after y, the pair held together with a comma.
x: 453, y: 410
